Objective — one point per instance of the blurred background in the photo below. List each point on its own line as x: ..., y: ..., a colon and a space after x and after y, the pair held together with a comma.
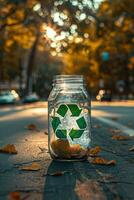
x: 42, y: 38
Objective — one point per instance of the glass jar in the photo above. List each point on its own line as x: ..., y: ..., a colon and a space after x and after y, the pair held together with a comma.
x: 68, y: 118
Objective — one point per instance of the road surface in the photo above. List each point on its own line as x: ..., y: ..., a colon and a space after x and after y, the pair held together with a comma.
x: 32, y: 147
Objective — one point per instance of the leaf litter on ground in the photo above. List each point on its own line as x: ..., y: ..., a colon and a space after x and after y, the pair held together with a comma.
x: 32, y: 127
x: 121, y: 137
x: 32, y: 167
x: 101, y: 161
x: 9, y: 149
x: 17, y: 196
x: 94, y: 151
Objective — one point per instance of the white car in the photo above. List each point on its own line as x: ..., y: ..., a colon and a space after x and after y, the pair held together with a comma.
x: 8, y: 97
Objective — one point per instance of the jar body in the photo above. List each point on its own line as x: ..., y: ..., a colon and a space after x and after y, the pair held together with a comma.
x: 69, y: 122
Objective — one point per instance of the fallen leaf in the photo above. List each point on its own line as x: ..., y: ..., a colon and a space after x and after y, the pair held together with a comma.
x: 89, y: 190
x: 102, y: 161
x: 115, y: 130
x: 32, y: 127
x: 17, y: 196
x: 14, y: 196
x: 61, y: 148
x: 46, y: 133
x: 9, y: 148
x: 114, y: 118
x: 94, y: 151
x: 97, y: 126
x: 75, y: 149
x: 132, y: 148
x: 120, y: 137
x: 33, y: 167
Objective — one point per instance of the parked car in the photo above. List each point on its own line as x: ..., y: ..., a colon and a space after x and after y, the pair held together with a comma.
x: 9, y: 97
x: 104, y: 95
x: 30, y: 98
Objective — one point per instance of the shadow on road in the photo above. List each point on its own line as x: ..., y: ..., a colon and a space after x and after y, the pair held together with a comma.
x: 60, y: 187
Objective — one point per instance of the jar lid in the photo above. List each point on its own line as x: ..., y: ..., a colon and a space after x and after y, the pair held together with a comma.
x: 70, y: 79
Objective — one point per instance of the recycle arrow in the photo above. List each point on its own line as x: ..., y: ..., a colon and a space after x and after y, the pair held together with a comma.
x: 75, y: 133
x: 74, y: 109
x: 75, y: 112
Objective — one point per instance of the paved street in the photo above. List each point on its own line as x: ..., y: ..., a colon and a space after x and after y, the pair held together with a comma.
x: 32, y: 147
x: 119, y: 115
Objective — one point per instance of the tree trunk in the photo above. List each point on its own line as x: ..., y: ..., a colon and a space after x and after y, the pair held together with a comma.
x: 31, y: 64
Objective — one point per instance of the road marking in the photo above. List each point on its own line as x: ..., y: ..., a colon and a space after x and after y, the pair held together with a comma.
x: 117, y: 125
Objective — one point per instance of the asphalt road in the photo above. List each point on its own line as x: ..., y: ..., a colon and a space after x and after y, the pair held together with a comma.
x: 119, y: 115
x: 29, y: 144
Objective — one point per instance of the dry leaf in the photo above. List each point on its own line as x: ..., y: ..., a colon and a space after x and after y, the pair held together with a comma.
x: 9, y: 148
x: 61, y: 148
x: 94, y: 151
x: 132, y: 148
x: 17, y: 196
x: 114, y: 118
x: 76, y: 149
x: 32, y: 127
x: 33, y: 167
x: 115, y: 130
x: 14, y: 196
x: 120, y: 137
x: 89, y: 190
x: 102, y: 161
x: 46, y: 133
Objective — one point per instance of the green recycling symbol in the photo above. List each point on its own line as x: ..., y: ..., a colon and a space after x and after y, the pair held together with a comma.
x: 75, y: 112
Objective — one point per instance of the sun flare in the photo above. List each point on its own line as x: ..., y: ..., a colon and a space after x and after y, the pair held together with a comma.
x: 50, y: 32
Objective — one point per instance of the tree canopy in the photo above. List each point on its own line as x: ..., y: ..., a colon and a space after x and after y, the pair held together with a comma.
x: 79, y: 37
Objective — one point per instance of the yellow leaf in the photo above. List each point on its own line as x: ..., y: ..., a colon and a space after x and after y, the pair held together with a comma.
x: 33, y: 167
x: 120, y: 137
x: 94, y: 151
x: 102, y: 161
x: 9, y: 148
x: 61, y: 148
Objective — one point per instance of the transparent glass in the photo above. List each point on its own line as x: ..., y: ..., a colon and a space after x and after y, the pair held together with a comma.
x: 68, y: 118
